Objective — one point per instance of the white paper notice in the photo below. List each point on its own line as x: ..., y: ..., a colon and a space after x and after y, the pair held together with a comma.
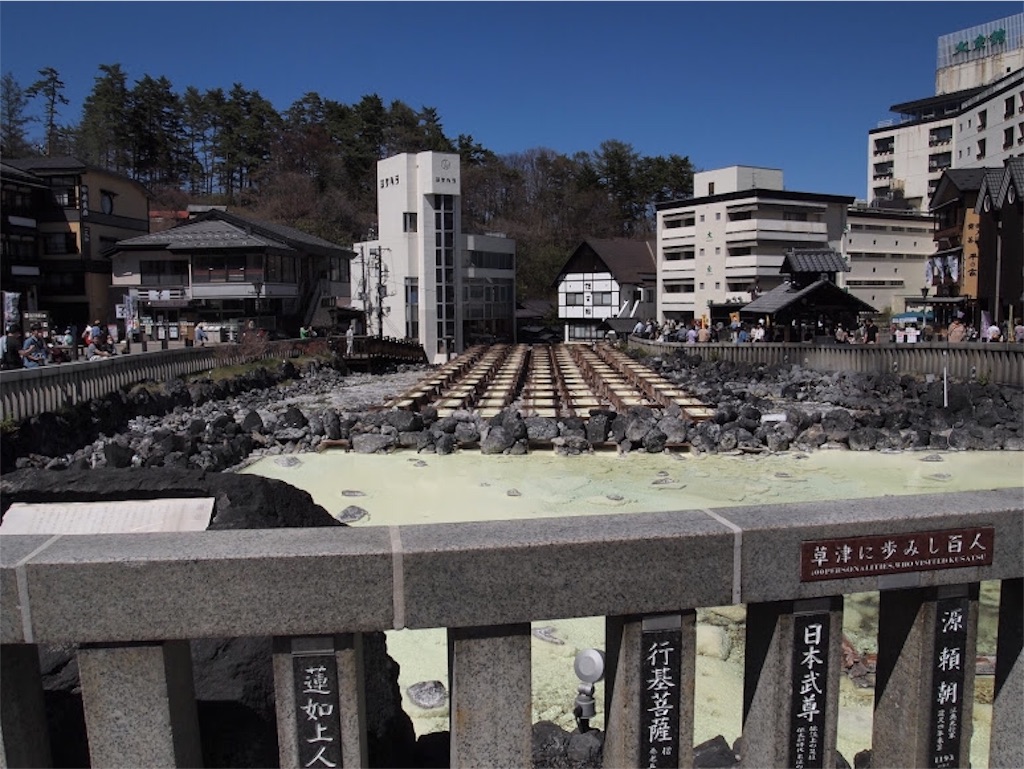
x: 127, y: 517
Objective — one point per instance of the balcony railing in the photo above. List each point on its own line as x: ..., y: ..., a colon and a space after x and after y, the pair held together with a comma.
x: 133, y: 601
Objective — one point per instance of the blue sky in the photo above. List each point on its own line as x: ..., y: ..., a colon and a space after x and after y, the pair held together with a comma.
x: 789, y: 85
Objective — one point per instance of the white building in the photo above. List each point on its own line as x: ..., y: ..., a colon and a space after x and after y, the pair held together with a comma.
x: 423, y: 278
x: 606, y: 284
x: 887, y: 251
x: 727, y: 243
x: 975, y: 118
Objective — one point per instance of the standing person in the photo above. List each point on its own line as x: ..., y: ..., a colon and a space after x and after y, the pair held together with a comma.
x: 33, y: 351
x: 201, y: 334
x: 957, y: 331
x: 870, y: 333
x: 638, y: 328
x: 1018, y: 332
x: 350, y: 338
x: 841, y: 335
x: 994, y: 334
x: 10, y: 348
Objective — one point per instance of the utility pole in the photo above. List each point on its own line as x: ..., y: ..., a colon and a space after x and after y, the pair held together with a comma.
x: 381, y: 293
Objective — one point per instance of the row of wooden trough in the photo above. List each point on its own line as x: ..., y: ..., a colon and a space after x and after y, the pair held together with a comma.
x: 561, y: 380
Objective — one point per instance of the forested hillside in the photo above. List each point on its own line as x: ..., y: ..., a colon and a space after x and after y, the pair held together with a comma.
x: 312, y: 166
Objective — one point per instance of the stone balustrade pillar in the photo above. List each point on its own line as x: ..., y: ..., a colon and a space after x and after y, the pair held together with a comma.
x: 24, y: 737
x: 491, y: 704
x: 924, y: 679
x: 140, y: 707
x: 1006, y: 746
x: 791, y: 682
x: 320, y: 700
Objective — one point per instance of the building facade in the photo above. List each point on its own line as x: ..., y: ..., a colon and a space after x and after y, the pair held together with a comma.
x: 975, y: 118
x: 726, y: 245
x: 61, y: 222
x: 421, y: 277
x: 887, y: 251
x: 226, y: 271
x: 603, y: 281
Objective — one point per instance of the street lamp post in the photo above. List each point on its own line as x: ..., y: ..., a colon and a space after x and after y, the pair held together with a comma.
x: 257, y: 286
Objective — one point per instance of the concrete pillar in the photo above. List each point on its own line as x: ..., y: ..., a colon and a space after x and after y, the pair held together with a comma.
x: 24, y: 738
x: 625, y: 686
x: 140, y: 707
x: 907, y: 674
x: 791, y: 682
x: 1006, y: 747
x: 302, y: 709
x: 491, y: 705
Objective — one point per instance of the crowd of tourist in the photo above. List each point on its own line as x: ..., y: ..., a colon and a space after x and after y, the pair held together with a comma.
x: 864, y: 332
x: 43, y: 347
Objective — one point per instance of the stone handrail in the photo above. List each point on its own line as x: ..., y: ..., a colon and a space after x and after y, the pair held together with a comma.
x: 28, y: 392
x: 134, y: 600
x: 999, y: 363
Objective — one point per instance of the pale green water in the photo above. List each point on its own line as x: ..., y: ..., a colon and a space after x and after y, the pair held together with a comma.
x: 406, y: 488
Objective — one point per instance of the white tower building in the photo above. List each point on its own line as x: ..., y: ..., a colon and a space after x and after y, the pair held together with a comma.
x: 423, y: 278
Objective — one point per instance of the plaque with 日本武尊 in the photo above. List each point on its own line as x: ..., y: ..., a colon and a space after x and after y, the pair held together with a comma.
x: 880, y: 555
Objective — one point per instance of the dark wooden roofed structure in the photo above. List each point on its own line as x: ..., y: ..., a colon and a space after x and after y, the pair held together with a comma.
x: 809, y: 295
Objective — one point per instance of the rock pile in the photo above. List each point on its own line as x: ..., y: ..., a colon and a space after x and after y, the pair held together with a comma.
x: 758, y: 408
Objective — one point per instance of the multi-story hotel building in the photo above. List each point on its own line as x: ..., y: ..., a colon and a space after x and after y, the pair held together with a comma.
x: 420, y: 276
x: 975, y: 118
x: 726, y: 244
x: 887, y: 250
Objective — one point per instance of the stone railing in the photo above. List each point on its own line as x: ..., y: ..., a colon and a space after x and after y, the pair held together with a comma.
x: 999, y: 363
x: 132, y: 601
x: 27, y: 392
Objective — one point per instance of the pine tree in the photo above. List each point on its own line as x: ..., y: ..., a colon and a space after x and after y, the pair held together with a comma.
x: 13, y: 119
x: 51, y: 88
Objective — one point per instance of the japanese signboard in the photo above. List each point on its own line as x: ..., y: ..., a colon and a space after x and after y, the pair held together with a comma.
x: 318, y: 723
x: 895, y: 553
x: 948, y: 681
x: 810, y: 689
x: 661, y: 667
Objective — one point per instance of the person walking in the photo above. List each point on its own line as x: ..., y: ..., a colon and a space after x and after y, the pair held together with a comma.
x: 33, y: 351
x: 350, y: 338
x: 10, y: 348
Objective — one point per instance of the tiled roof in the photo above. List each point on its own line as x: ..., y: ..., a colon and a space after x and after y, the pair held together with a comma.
x: 220, y: 229
x: 272, y: 230
x: 202, y: 235
x: 783, y: 296
x: 20, y: 175
x: 64, y: 163
x: 630, y: 261
x: 814, y: 260
x: 1013, y: 174
x: 966, y: 179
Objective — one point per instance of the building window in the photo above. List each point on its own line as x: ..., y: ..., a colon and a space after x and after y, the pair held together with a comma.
x: 163, y: 273
x: 702, y: 217
x: 702, y: 252
x: 718, y: 250
x: 982, y: 119
x: 794, y: 216
x: 711, y: 188
x: 574, y: 299
x: 981, y: 148
x: 1008, y: 106
x: 409, y: 222
x: 60, y: 243
x: 718, y: 216
x: 1008, y: 138
x: 602, y: 298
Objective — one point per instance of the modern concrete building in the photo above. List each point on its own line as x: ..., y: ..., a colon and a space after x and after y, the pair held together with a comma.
x: 886, y: 250
x: 606, y: 284
x: 420, y: 276
x: 975, y: 118
x: 718, y: 250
